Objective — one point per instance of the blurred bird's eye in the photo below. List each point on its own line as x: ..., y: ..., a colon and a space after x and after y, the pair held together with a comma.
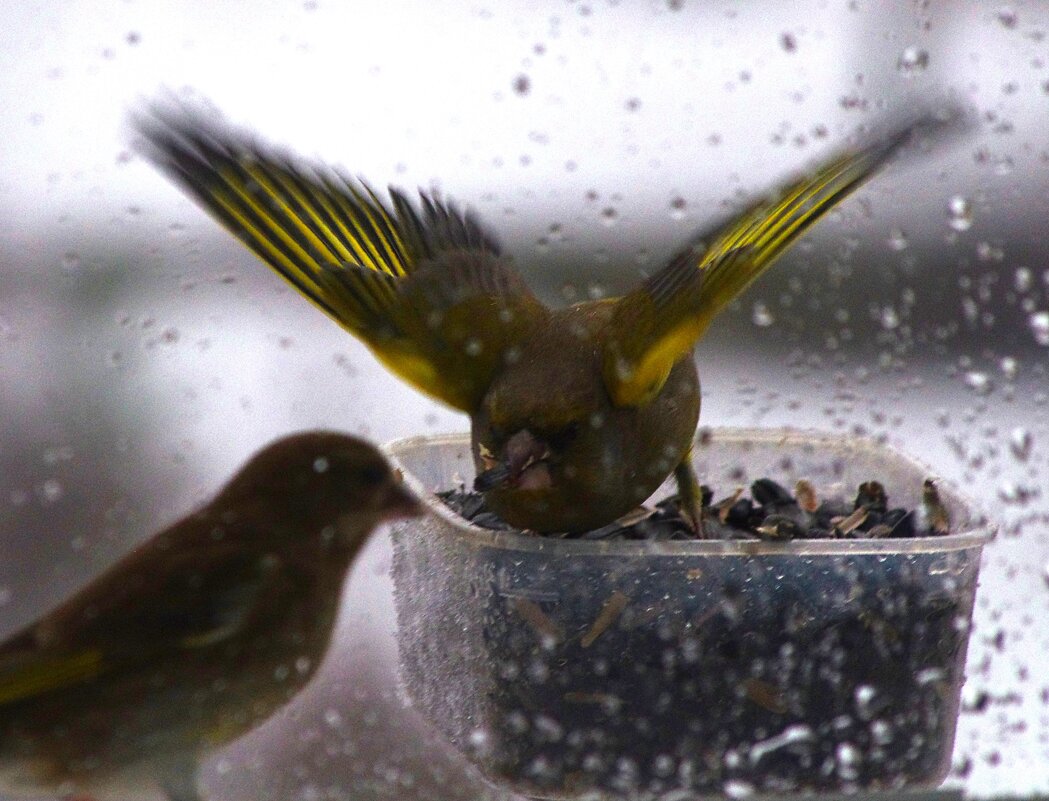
x: 564, y: 436
x: 372, y: 475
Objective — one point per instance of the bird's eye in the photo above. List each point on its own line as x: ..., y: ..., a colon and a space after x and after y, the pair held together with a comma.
x: 564, y: 435
x: 372, y: 475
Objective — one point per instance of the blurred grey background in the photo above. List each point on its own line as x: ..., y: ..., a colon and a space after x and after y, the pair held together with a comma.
x: 144, y: 354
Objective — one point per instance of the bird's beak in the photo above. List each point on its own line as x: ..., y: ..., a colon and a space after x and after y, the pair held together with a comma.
x: 399, y: 502
x: 522, y: 465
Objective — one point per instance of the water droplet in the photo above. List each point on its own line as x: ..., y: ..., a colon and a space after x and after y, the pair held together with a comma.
x: 473, y: 347
x: 737, y: 788
x: 848, y: 758
x: 609, y: 216
x: 985, y: 251
x: 898, y: 239
x: 788, y: 42
x: 1022, y: 279
x: 979, y: 382
x: 1007, y: 17
x: 480, y: 741
x: 1020, y: 441
x: 677, y: 208
x: 762, y: 317
x: 1039, y: 323
x: 890, y: 318
x: 333, y: 718
x: 70, y: 261
x: 51, y: 490
x: 959, y: 213
x: 1009, y: 367
x: 1014, y: 493
x: 913, y: 60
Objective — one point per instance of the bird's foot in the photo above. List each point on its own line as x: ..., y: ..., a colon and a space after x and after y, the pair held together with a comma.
x: 691, y: 496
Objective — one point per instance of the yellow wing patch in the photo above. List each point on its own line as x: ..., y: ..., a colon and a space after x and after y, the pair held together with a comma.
x: 329, y: 236
x: 663, y: 319
x: 49, y: 674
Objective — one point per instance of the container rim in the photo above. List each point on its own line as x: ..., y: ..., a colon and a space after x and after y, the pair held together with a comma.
x: 976, y: 535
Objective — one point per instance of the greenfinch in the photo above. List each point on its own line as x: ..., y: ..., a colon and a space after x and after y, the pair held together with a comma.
x: 200, y: 634
x: 577, y: 414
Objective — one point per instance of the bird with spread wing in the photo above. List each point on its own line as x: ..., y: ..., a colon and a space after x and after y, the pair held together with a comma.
x: 197, y: 636
x: 577, y: 414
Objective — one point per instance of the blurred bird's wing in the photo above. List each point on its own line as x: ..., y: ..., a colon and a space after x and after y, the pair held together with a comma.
x: 657, y: 324
x: 148, y: 607
x: 340, y: 245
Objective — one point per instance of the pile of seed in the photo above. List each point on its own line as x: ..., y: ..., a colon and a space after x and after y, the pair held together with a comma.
x: 770, y: 512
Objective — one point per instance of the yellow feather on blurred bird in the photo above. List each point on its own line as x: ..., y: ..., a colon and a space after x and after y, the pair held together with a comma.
x: 200, y: 634
x: 577, y: 414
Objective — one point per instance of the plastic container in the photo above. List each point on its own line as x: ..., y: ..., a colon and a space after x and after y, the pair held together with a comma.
x: 565, y: 668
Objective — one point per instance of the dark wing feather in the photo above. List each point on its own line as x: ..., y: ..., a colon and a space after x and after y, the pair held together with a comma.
x: 661, y: 320
x: 340, y: 245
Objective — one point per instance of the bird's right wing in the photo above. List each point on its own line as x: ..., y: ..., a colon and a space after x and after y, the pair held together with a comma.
x: 351, y: 253
x: 657, y: 324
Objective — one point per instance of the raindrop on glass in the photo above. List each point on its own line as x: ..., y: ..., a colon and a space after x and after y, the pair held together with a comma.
x: 333, y: 718
x: 959, y: 213
x: 913, y: 60
x: 890, y: 319
x: 51, y: 490
x: 979, y: 382
x: 762, y: 317
x: 1020, y: 441
x: 1022, y: 279
x: 1007, y: 17
x: 1039, y: 323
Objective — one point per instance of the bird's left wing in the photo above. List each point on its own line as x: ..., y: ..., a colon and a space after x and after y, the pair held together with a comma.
x: 187, y: 602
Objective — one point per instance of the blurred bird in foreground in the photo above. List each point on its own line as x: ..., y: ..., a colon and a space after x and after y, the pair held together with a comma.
x: 577, y: 414
x: 200, y: 634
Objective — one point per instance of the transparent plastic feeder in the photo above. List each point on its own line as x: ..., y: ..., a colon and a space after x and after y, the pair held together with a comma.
x: 566, y: 668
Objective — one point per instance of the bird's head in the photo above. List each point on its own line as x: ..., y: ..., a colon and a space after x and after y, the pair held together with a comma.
x: 323, y: 479
x: 551, y: 452
x: 552, y: 449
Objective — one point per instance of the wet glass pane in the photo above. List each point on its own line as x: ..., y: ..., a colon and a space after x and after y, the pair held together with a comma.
x: 146, y: 355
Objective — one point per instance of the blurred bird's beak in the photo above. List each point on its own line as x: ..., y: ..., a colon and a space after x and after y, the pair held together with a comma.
x: 522, y: 465
x: 399, y: 502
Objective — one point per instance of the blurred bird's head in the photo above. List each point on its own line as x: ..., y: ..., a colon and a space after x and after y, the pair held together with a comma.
x: 320, y: 479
